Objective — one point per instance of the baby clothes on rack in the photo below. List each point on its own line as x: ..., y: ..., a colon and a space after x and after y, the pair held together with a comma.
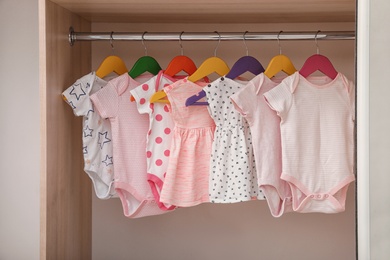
x: 96, y: 135
x: 159, y: 136
x: 265, y: 128
x: 186, y: 182
x: 317, y: 124
x: 233, y: 175
x: 129, y: 130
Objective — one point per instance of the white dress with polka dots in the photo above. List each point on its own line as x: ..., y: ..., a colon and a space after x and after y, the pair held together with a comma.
x: 233, y: 175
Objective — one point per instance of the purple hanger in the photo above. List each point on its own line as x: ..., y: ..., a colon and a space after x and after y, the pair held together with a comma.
x: 192, y: 101
x: 244, y: 64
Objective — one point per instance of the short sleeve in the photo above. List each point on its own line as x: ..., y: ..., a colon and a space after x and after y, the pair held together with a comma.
x: 77, y: 96
x: 280, y: 97
x: 106, y: 101
x: 245, y: 101
x: 142, y: 95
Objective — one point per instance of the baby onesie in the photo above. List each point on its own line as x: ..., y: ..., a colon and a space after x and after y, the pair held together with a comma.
x: 233, y: 175
x: 129, y: 130
x: 317, y: 125
x: 187, y: 179
x: 96, y: 134
x: 159, y: 136
x: 265, y: 128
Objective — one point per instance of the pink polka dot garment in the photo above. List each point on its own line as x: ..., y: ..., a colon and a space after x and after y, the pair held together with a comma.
x: 187, y: 180
x: 159, y: 134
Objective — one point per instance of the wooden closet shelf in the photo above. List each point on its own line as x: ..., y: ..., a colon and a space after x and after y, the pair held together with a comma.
x: 216, y: 11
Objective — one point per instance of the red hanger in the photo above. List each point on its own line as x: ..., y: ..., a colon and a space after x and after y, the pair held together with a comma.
x: 318, y: 62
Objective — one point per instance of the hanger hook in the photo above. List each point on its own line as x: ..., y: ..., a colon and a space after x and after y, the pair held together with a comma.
x: 219, y: 40
x: 318, y: 48
x: 143, y: 43
x: 280, y: 47
x: 246, y: 47
x: 181, y: 46
x: 111, y: 40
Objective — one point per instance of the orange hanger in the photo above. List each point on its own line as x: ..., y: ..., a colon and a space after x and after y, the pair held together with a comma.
x: 177, y: 64
x: 180, y: 63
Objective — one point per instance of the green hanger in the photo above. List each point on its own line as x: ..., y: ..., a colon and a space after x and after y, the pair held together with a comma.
x: 144, y: 64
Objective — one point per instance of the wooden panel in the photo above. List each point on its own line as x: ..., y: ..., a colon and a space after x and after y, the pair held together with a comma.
x: 65, y: 188
x: 220, y: 11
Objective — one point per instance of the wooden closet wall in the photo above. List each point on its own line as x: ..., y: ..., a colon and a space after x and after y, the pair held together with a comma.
x: 68, y: 227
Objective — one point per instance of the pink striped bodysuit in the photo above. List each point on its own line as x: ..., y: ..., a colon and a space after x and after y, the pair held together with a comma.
x: 317, y: 126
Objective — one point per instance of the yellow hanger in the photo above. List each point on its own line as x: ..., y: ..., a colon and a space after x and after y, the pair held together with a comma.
x: 210, y: 65
x: 159, y: 97
x: 111, y: 64
x: 280, y: 63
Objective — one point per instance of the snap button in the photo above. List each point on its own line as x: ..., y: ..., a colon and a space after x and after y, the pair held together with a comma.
x: 319, y: 196
x: 311, y: 196
x: 326, y: 195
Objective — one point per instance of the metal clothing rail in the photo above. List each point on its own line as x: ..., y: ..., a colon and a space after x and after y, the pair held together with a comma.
x: 208, y: 36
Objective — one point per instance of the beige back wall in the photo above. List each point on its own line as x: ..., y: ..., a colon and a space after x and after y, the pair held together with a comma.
x: 237, y: 231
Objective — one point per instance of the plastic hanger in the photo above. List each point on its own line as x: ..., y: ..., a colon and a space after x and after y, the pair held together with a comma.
x: 244, y: 64
x: 111, y: 64
x: 318, y: 62
x: 209, y: 66
x: 280, y: 63
x: 177, y: 64
x: 180, y: 63
x: 144, y: 64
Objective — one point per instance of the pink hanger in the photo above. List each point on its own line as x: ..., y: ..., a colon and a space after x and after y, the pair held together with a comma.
x: 318, y: 62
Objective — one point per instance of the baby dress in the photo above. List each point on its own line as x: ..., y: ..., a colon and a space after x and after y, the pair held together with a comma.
x: 187, y: 178
x: 97, y: 153
x: 129, y: 130
x: 265, y: 129
x: 233, y: 175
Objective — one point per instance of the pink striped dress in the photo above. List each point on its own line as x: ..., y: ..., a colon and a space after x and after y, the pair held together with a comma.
x: 187, y: 178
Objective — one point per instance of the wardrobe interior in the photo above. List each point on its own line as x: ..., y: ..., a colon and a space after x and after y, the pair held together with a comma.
x: 75, y: 224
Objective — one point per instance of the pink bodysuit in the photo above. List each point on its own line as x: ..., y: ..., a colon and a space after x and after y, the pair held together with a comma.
x: 129, y: 130
x: 265, y: 128
x: 317, y: 131
x: 187, y: 179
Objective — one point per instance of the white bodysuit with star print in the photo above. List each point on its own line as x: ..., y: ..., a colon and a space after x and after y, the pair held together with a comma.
x: 96, y: 134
